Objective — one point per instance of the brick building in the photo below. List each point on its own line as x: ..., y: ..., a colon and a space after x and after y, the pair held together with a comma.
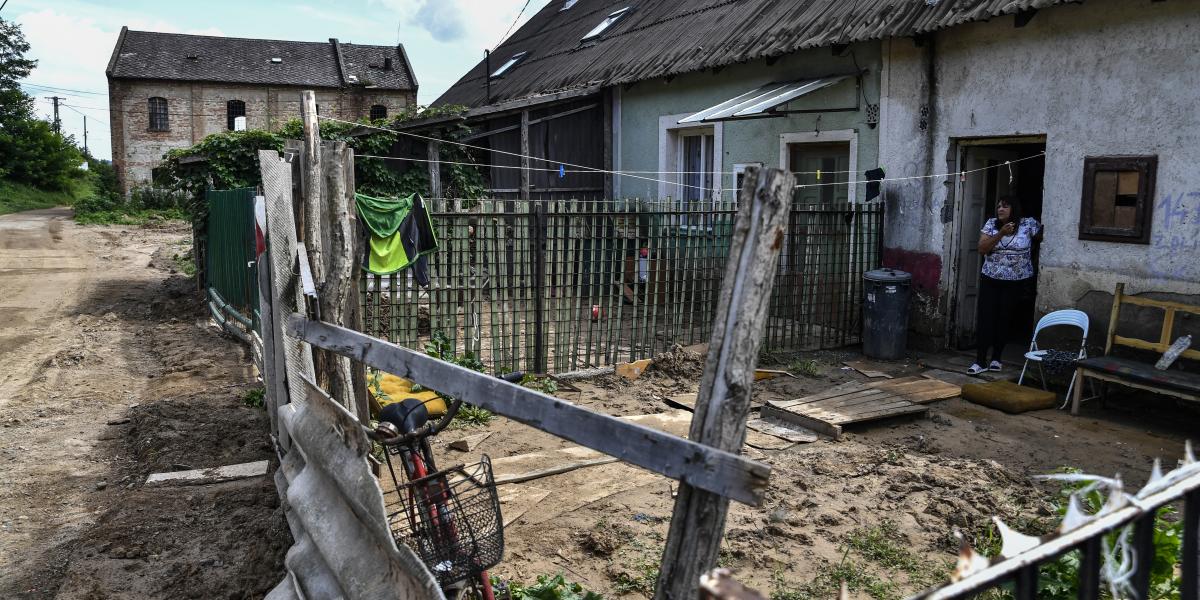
x: 168, y: 90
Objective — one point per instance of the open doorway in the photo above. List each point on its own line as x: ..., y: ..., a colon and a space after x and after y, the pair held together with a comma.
x: 977, y: 197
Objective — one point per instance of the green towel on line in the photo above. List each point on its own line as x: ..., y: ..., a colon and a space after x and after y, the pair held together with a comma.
x: 400, y: 235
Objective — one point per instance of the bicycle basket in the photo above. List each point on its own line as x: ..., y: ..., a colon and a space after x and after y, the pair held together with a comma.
x: 451, y: 519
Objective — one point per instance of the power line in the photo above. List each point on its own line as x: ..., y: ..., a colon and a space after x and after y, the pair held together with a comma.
x: 62, y: 90
x: 513, y: 24
x: 673, y: 183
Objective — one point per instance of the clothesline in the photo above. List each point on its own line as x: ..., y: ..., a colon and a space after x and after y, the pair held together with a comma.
x: 630, y: 174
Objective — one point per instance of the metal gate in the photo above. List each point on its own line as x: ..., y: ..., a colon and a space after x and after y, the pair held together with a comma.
x: 229, y: 256
x: 562, y: 285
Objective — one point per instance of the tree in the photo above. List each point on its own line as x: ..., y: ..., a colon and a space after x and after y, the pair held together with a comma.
x: 30, y: 150
x: 15, y: 104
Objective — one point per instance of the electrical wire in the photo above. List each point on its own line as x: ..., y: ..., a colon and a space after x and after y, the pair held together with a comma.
x: 510, y: 27
x: 587, y: 169
x: 62, y: 90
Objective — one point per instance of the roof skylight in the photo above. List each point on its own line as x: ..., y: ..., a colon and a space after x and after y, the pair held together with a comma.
x: 605, y: 24
x: 567, y: 4
x: 509, y: 64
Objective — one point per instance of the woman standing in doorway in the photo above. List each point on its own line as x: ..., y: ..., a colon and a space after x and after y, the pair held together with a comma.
x: 1006, y: 243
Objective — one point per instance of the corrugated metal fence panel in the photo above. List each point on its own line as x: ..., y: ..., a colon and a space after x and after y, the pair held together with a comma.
x: 333, y: 505
x: 230, y: 255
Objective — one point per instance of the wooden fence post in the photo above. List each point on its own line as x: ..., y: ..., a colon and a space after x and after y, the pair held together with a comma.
x: 337, y: 294
x: 310, y: 184
x: 698, y: 523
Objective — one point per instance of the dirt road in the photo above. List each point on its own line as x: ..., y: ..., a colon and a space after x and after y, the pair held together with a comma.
x: 108, y: 372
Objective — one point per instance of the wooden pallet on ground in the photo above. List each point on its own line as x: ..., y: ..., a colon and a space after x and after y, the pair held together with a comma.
x: 856, y: 402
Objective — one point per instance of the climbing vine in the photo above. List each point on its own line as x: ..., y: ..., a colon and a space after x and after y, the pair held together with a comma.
x: 231, y: 159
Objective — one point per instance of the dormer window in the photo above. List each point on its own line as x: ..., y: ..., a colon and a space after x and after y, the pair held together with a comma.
x: 508, y: 65
x: 275, y: 60
x: 608, y: 21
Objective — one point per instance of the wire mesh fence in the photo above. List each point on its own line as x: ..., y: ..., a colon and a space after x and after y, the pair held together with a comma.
x: 561, y: 285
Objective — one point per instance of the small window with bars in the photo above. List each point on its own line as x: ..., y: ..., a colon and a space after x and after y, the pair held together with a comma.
x: 233, y: 110
x: 159, y: 120
x: 378, y: 111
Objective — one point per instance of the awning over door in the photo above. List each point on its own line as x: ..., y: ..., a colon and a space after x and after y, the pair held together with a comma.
x: 762, y: 102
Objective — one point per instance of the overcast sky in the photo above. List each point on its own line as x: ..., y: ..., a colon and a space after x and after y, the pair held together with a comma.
x: 73, y: 39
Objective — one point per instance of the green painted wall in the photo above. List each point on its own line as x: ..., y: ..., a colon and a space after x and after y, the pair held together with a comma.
x: 758, y: 140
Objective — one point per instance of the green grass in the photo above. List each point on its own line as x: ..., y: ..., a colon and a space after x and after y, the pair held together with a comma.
x: 17, y: 197
x: 807, y: 368
x: 254, y: 397
x: 471, y: 416
x: 134, y: 217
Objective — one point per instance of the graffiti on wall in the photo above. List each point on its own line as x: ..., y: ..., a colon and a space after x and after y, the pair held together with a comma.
x: 1176, y: 236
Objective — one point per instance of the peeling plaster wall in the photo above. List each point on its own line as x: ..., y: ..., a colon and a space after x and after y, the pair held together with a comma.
x: 1104, y: 77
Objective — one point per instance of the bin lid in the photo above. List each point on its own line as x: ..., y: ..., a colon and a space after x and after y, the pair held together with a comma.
x: 888, y: 276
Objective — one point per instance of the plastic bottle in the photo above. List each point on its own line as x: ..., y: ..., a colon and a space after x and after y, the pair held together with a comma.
x: 1173, y: 352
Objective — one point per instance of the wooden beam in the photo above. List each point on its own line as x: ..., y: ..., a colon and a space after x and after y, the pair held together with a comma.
x: 435, y: 168
x: 310, y: 184
x: 338, y: 297
x: 723, y: 404
x: 711, y: 469
x: 525, y: 155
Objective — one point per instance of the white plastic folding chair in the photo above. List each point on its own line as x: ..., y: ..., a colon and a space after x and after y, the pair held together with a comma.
x: 1068, y: 317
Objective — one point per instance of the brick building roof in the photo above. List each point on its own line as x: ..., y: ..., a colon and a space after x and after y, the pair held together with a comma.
x: 181, y: 57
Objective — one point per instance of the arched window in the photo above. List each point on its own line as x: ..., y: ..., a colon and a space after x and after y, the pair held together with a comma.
x: 157, y: 108
x: 233, y: 110
x: 378, y: 111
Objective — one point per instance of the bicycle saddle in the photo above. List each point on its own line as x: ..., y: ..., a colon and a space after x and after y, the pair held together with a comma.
x: 407, y: 415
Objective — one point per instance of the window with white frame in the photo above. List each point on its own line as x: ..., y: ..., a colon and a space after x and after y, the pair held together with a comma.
x: 739, y: 173
x: 696, y: 158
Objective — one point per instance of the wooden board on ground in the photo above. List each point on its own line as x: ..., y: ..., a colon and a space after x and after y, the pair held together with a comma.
x: 780, y: 429
x: 684, y: 401
x: 634, y: 369
x: 956, y: 378
x: 866, y: 368
x: 856, y: 402
x: 519, y: 499
x: 213, y: 475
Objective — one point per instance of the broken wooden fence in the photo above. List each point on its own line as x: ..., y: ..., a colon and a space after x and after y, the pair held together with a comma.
x: 1115, y: 545
x: 332, y: 502
x: 563, y: 285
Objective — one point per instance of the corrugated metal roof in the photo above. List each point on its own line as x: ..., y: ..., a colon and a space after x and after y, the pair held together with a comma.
x: 660, y: 38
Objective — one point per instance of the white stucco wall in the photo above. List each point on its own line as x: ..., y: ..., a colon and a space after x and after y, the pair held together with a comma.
x: 1107, y: 77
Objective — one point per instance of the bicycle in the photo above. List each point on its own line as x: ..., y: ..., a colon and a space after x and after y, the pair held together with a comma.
x: 450, y: 518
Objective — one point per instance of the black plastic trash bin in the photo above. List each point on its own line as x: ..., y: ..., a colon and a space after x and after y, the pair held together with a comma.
x: 885, y: 313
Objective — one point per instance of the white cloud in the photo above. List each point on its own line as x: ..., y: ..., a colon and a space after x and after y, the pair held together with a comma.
x: 72, y: 51
x: 473, y: 24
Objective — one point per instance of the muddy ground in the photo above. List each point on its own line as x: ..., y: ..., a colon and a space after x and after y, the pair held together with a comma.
x: 111, y: 372
x: 878, y: 509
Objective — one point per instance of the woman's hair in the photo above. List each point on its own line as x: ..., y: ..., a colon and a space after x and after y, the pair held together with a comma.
x: 1014, y: 209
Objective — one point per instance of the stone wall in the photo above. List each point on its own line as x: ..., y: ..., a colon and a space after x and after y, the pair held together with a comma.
x: 196, y: 110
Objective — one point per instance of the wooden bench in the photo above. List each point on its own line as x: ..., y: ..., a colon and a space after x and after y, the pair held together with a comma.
x: 1135, y: 373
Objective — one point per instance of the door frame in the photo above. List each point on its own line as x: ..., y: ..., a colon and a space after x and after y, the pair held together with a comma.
x: 958, y: 152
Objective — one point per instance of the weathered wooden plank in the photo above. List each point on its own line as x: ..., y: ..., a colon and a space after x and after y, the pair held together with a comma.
x: 795, y: 435
x: 711, y: 469
x: 818, y: 425
x: 698, y: 522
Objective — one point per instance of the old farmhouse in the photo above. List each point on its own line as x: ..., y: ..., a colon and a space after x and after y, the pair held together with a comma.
x: 170, y: 90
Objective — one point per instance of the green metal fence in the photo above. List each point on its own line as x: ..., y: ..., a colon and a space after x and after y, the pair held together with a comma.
x: 229, y: 254
x: 561, y: 285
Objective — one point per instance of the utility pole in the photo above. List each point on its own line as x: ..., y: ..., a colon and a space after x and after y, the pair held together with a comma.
x: 57, y: 123
x: 85, y: 150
